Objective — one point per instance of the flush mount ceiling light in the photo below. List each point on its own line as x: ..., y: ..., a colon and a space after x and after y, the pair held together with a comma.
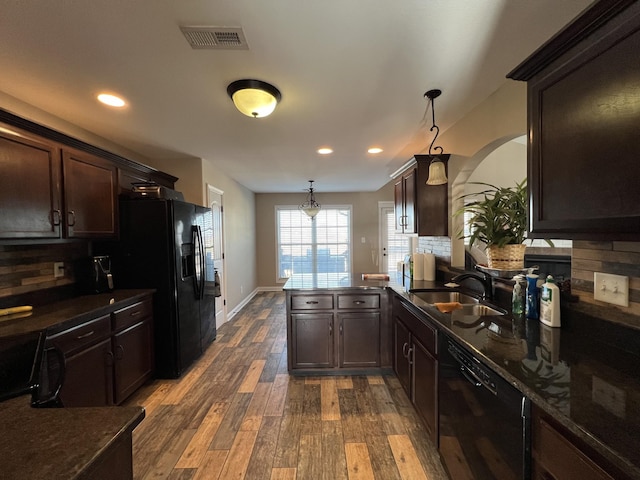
x: 325, y: 151
x: 437, y: 169
x: 254, y: 98
x: 310, y: 206
x: 111, y: 100
x: 374, y: 150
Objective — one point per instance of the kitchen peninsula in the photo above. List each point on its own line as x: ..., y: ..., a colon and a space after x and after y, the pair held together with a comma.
x: 580, y: 378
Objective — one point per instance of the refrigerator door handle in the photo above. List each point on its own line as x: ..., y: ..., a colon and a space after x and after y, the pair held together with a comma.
x: 203, y: 265
x: 195, y: 241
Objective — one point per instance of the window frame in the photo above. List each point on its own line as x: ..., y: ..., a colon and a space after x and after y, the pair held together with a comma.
x: 325, y: 207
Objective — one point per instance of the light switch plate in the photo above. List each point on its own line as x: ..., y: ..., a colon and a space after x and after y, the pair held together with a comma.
x: 610, y: 288
x: 58, y: 269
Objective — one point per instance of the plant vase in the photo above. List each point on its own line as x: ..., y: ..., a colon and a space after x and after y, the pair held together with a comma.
x: 509, y: 257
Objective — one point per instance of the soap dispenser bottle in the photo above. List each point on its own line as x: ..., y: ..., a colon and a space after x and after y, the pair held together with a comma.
x: 550, y: 303
x: 532, y: 307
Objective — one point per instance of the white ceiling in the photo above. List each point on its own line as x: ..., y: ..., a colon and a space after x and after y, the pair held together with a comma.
x: 352, y: 75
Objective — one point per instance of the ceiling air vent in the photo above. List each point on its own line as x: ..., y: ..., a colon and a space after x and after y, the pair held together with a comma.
x: 218, y: 38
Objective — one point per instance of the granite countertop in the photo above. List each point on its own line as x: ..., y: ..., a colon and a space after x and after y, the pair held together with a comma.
x: 332, y: 281
x: 58, y: 316
x: 583, y: 374
x: 48, y: 443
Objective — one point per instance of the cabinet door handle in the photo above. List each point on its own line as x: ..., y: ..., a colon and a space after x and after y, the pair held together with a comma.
x: 119, y: 352
x: 409, y: 354
x: 340, y: 329
x: 330, y: 329
x: 312, y: 302
x: 109, y: 359
x: 85, y: 335
x: 55, y: 217
x: 71, y: 217
x: 404, y: 348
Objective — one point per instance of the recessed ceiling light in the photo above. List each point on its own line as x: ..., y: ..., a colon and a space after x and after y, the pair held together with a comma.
x: 325, y: 151
x: 111, y: 100
x: 375, y: 150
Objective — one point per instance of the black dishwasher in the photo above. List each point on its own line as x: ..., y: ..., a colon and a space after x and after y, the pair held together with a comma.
x: 484, y: 421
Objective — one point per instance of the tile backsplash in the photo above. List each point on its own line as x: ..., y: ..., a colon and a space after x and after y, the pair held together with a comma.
x: 29, y: 268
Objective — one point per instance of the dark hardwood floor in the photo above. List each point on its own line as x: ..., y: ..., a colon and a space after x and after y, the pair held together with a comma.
x: 238, y: 414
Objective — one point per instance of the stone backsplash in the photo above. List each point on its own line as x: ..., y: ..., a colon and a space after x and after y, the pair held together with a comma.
x: 29, y: 268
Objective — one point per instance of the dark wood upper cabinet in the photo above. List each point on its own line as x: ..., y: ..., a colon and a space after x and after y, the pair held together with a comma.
x: 29, y: 186
x: 583, y: 114
x: 420, y: 208
x: 90, y: 195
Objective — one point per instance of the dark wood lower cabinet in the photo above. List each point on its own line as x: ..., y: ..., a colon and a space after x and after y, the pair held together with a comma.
x: 559, y: 454
x: 416, y: 364
x: 107, y: 358
x: 88, y: 377
x: 339, y: 331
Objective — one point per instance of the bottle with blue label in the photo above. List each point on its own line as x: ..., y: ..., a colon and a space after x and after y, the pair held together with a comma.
x: 532, y: 307
x: 550, y: 303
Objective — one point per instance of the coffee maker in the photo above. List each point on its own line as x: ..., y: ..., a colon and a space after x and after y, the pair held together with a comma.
x: 95, y: 274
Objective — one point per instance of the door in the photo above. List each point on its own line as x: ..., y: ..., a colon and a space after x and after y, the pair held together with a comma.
x: 393, y: 246
x: 359, y: 339
x: 208, y: 288
x: 189, y: 268
x: 29, y: 187
x: 215, y: 202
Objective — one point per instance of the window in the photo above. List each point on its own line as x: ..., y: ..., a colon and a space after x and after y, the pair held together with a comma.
x: 321, y: 246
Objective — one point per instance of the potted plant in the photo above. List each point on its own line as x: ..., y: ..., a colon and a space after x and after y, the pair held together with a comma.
x: 498, y: 219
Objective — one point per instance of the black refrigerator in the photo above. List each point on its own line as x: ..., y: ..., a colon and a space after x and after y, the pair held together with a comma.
x: 167, y: 245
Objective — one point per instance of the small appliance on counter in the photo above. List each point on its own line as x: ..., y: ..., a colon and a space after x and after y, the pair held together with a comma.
x: 94, y: 274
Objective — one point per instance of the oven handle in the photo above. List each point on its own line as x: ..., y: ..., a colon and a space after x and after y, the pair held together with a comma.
x: 470, y: 376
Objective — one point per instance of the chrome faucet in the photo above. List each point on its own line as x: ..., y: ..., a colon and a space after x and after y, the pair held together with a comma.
x: 484, y: 279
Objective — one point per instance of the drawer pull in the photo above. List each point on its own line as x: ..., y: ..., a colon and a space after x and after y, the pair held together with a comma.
x: 85, y: 335
x: 359, y: 302
x: 312, y: 302
x: 136, y: 313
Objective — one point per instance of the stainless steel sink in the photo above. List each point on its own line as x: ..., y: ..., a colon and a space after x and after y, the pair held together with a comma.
x: 476, y: 310
x: 444, y: 296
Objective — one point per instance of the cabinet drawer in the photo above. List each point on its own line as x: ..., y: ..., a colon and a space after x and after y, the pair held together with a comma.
x: 311, y: 302
x: 85, y: 334
x: 132, y: 314
x: 365, y: 300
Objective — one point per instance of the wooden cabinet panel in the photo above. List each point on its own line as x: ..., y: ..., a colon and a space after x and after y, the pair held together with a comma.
x: 132, y: 314
x: 311, y: 302
x: 133, y: 359
x: 77, y: 338
x: 359, y: 339
x: 582, y: 110
x: 363, y: 300
x: 402, y: 361
x: 29, y: 187
x: 420, y: 208
x: 424, y: 387
x: 88, y: 378
x: 313, y: 340
x: 559, y: 454
x: 90, y: 195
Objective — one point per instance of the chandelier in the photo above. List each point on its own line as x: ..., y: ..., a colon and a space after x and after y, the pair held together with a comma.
x: 310, y: 207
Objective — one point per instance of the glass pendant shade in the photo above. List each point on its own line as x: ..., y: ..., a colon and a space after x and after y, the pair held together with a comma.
x: 254, y: 98
x: 310, y: 207
x: 437, y: 173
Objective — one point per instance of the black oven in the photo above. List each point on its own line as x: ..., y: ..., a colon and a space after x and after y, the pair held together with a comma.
x: 484, y: 421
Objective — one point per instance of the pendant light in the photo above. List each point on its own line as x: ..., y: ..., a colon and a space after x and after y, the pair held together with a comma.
x: 437, y: 169
x: 254, y: 98
x: 310, y: 206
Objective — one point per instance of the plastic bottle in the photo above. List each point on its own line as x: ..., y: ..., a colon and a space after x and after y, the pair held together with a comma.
x: 550, y: 303
x: 519, y: 297
x: 532, y: 307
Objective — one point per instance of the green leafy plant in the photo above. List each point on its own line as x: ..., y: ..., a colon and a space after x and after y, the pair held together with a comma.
x: 498, y: 214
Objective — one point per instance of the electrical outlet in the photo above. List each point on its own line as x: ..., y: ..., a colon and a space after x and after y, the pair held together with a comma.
x: 610, y: 288
x: 58, y: 269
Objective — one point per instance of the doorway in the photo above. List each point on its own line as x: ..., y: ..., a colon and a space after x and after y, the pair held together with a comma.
x: 393, y: 246
x: 215, y: 203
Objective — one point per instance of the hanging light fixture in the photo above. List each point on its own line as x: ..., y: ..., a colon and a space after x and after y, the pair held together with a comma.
x: 254, y: 98
x: 310, y: 206
x: 437, y: 169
